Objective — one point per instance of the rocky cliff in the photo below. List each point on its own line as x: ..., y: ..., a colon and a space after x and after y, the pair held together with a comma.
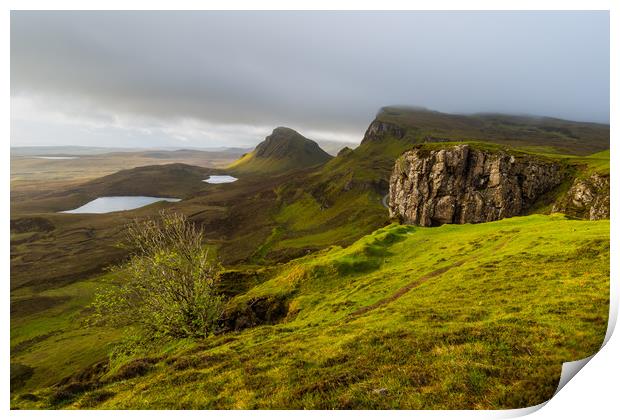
x: 462, y: 184
x: 587, y: 198
x: 377, y: 130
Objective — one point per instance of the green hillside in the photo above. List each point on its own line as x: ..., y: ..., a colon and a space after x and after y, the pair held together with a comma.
x: 460, y: 316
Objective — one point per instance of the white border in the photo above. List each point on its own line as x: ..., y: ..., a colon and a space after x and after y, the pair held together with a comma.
x: 593, y: 393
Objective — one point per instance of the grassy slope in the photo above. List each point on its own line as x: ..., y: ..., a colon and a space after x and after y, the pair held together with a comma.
x: 460, y: 316
x: 337, y: 203
x: 48, y: 335
x: 248, y: 163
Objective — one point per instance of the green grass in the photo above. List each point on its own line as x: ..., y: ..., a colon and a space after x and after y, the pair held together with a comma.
x: 251, y: 164
x: 597, y: 162
x: 587, y: 165
x: 54, y: 342
x: 306, y: 224
x: 460, y: 316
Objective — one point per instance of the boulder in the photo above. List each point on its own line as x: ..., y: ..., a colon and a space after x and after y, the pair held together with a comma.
x: 587, y: 198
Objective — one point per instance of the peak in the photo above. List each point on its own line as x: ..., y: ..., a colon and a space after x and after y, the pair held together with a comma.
x: 344, y: 151
x: 285, y: 135
x: 286, y: 149
x: 284, y: 130
x: 285, y: 142
x: 402, y: 109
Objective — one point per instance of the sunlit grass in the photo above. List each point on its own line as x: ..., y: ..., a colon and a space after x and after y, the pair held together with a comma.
x: 514, y: 300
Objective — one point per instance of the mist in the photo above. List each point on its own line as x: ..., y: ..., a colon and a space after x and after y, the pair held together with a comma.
x: 211, y: 78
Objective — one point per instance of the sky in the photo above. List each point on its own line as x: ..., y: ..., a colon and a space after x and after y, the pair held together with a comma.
x: 226, y: 79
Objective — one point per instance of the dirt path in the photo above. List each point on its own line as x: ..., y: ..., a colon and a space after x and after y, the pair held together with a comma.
x: 405, y: 289
x: 421, y: 280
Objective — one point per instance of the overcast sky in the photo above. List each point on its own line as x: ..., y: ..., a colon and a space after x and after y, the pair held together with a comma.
x: 211, y: 79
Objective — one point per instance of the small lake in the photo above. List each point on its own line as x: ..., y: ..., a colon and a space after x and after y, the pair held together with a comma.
x: 110, y: 204
x: 55, y: 157
x: 219, y: 179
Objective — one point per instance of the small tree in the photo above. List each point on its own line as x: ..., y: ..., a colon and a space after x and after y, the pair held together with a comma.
x: 168, y: 285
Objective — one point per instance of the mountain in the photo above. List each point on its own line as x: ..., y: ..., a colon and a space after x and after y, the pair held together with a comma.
x: 342, y: 199
x: 283, y: 150
x: 420, y: 125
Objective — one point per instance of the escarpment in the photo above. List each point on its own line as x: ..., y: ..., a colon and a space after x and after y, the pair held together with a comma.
x: 377, y: 130
x: 461, y: 184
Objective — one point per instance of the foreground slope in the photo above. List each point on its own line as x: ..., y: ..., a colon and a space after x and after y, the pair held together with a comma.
x: 459, y: 316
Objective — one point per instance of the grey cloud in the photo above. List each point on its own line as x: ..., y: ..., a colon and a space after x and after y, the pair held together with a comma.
x: 321, y: 71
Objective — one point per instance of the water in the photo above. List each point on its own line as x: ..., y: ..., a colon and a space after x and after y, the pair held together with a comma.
x: 219, y: 179
x: 55, y: 157
x: 110, y: 204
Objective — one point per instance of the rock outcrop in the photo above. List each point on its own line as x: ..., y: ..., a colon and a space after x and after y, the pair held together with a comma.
x: 379, y: 129
x: 461, y: 184
x: 256, y: 311
x: 586, y: 199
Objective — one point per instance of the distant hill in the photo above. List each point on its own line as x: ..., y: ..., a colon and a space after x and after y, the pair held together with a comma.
x: 334, y: 147
x: 419, y: 125
x: 175, y: 180
x: 283, y: 150
x: 66, y: 150
x: 160, y: 152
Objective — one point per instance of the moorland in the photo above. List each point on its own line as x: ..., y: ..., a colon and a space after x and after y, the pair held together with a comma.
x: 332, y: 299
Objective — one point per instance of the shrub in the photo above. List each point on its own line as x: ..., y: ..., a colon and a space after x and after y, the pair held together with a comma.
x: 168, y: 285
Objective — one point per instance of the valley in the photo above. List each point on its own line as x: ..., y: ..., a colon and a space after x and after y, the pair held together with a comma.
x: 332, y: 302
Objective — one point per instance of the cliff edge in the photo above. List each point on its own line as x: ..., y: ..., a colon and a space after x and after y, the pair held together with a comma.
x: 462, y: 184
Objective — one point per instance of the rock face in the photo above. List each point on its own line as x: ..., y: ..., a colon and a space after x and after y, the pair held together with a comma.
x: 257, y: 311
x: 379, y: 129
x: 461, y: 184
x: 586, y: 199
